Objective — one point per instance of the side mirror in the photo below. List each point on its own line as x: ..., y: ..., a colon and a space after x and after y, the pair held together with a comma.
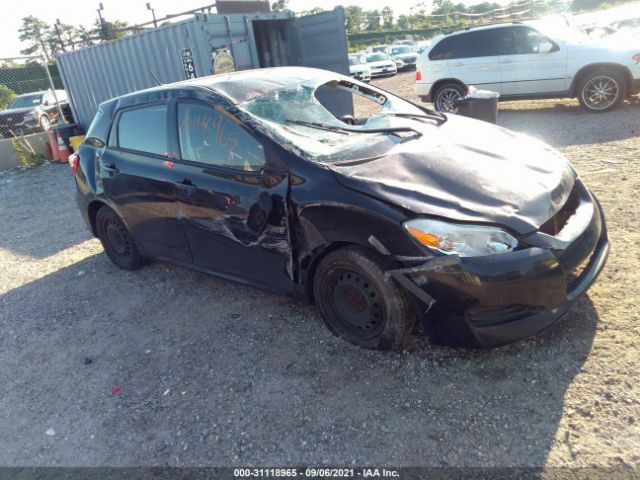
x: 545, y: 46
x: 45, y: 103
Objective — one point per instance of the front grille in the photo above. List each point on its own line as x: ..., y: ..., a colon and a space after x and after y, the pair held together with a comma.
x: 15, y: 118
x: 556, y: 223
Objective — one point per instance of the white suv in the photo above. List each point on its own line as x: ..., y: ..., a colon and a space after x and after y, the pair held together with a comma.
x: 519, y: 62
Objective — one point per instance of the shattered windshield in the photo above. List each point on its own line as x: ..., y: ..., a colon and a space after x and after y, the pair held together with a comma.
x: 300, y: 117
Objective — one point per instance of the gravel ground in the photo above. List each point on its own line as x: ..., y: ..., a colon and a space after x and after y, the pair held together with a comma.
x: 212, y: 373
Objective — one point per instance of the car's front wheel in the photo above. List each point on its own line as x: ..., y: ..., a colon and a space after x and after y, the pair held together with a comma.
x: 116, y: 240
x: 601, y: 91
x: 44, y: 123
x: 357, y: 302
x: 446, y: 96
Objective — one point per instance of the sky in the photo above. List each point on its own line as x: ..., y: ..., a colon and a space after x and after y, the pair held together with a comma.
x: 83, y: 12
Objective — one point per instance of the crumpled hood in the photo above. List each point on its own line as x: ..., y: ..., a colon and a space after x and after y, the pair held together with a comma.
x: 468, y: 170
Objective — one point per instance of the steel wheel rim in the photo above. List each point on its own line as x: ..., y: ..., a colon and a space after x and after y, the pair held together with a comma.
x: 356, y: 303
x: 117, y: 239
x: 446, y: 100
x: 600, y: 92
x: 45, y: 123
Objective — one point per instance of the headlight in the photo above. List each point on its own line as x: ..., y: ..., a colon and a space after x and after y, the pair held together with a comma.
x: 463, y: 240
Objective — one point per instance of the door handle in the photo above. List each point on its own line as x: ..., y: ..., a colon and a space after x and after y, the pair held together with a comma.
x: 111, y: 169
x: 459, y: 64
x: 507, y: 60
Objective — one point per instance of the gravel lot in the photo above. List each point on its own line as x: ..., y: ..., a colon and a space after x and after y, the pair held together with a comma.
x: 212, y: 373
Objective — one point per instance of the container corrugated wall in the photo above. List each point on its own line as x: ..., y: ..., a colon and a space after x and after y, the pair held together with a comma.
x: 98, y: 73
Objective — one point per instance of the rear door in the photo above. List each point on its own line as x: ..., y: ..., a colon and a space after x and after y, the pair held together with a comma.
x: 135, y: 175
x: 232, y: 192
x: 322, y: 43
x: 525, y: 70
x: 474, y: 58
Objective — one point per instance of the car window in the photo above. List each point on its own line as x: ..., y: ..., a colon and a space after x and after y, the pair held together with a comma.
x: 377, y: 57
x: 207, y: 135
x: 449, y: 48
x: 482, y: 43
x: 519, y: 40
x: 144, y: 129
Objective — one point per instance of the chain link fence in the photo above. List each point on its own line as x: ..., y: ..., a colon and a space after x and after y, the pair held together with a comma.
x: 32, y: 98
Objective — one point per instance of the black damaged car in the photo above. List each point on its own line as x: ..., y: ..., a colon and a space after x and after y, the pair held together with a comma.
x: 483, y: 235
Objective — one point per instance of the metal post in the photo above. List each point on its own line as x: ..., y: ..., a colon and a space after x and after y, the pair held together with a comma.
x: 57, y: 27
x: 102, y: 29
x: 53, y: 88
x: 153, y: 12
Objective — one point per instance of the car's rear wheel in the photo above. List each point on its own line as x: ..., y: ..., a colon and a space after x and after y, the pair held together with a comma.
x: 601, y: 91
x: 357, y: 302
x: 116, y: 240
x: 44, y: 123
x: 445, y: 97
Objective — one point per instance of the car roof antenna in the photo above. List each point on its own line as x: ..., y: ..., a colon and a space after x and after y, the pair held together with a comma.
x: 154, y: 77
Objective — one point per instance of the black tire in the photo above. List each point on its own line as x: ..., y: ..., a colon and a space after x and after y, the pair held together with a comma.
x: 445, y: 94
x: 358, y: 304
x: 116, y: 240
x: 44, y: 123
x: 601, y: 91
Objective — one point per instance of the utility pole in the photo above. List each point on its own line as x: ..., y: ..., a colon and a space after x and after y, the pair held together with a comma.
x: 153, y: 12
x: 57, y: 27
x: 102, y: 32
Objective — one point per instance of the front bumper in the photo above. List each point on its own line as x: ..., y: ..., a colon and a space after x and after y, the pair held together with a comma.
x: 494, y: 300
x: 362, y: 76
x: 27, y: 125
x: 383, y: 71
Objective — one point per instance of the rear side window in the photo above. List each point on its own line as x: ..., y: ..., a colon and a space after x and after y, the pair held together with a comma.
x: 144, y: 129
x: 519, y: 40
x: 211, y: 137
x: 449, y: 48
x: 482, y: 43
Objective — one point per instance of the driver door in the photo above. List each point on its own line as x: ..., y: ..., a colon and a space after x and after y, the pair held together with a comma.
x: 524, y: 69
x: 231, y: 196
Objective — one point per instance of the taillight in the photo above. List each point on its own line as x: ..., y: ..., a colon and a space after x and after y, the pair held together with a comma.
x: 418, y: 75
x: 74, y: 162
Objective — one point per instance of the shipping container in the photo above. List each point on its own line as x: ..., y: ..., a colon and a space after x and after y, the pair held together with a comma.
x: 203, y: 45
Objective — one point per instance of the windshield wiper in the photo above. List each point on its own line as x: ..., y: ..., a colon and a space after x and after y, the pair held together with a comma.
x: 334, y: 128
x: 437, y: 116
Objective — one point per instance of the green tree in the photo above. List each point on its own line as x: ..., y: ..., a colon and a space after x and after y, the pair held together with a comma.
x: 313, y: 11
x: 373, y: 20
x: 6, y: 96
x: 280, y: 6
x: 35, y: 33
x: 110, y: 30
x: 354, y: 17
x: 403, y: 22
x: 387, y: 18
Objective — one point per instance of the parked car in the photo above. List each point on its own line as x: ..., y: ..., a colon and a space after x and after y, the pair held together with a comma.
x: 380, y: 64
x: 404, y: 55
x: 422, y: 45
x: 377, y: 49
x: 598, y: 31
x: 403, y: 42
x: 359, y: 69
x: 519, y: 62
x: 250, y: 177
x: 626, y: 24
x: 32, y: 112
